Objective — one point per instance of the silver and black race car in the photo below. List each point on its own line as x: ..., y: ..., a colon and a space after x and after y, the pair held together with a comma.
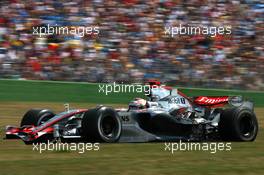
x: 166, y: 115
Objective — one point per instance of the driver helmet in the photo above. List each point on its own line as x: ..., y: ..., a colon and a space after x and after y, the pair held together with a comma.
x: 138, y: 103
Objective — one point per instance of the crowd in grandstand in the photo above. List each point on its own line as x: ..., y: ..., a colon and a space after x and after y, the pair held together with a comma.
x: 131, y: 46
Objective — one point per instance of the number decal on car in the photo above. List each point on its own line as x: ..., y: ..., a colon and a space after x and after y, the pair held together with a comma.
x: 177, y: 100
x: 125, y: 118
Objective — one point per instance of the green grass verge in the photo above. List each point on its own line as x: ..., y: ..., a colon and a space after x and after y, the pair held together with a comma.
x: 17, y: 90
x: 16, y: 158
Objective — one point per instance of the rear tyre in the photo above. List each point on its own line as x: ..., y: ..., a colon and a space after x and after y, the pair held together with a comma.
x: 101, y: 125
x: 36, y: 117
x: 238, y: 124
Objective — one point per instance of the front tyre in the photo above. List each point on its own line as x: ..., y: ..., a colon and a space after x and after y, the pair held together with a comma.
x: 36, y: 117
x: 238, y: 124
x: 101, y: 125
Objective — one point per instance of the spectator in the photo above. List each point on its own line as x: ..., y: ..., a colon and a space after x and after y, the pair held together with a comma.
x: 131, y: 46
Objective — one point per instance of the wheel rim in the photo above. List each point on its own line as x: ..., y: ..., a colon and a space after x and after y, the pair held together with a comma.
x: 109, y: 127
x: 247, y: 125
x: 44, y: 118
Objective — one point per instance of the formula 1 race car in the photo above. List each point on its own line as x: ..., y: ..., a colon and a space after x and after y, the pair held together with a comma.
x: 167, y: 115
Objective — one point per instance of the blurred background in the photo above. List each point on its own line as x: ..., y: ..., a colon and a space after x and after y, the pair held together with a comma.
x: 131, y: 46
